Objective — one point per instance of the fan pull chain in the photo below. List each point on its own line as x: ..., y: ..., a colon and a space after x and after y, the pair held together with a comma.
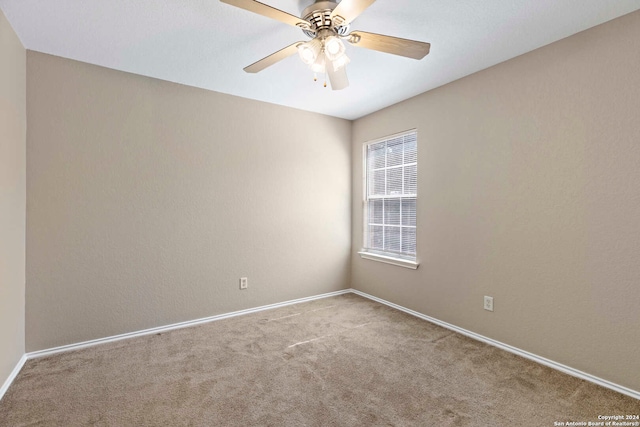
x: 315, y: 78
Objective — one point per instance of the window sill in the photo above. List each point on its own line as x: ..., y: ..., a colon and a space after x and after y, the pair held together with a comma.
x: 389, y: 260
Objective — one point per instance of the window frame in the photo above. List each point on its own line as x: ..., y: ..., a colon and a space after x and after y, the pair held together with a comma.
x: 401, y: 260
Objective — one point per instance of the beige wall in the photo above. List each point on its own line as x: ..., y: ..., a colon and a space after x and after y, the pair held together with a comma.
x: 148, y: 200
x: 529, y: 191
x: 13, y: 122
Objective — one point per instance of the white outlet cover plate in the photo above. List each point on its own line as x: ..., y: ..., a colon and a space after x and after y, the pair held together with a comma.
x: 488, y: 303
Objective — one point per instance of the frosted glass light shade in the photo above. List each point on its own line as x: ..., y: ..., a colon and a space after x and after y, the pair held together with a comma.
x: 309, y: 51
x: 333, y: 48
x: 319, y: 66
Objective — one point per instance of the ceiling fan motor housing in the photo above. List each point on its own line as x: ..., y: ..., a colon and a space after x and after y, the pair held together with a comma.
x: 319, y: 17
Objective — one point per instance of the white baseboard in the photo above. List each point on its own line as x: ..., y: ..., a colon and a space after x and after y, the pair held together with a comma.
x: 13, y: 375
x: 91, y: 343
x: 539, y: 359
x: 542, y: 360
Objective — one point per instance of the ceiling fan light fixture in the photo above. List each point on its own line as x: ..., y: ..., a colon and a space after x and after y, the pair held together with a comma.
x: 334, y: 48
x: 309, y: 51
x: 319, y: 66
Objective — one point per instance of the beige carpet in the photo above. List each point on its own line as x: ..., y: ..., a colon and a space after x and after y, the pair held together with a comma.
x: 341, y: 361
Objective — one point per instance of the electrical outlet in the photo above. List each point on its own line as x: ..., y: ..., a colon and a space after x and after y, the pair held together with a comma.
x: 244, y: 283
x: 488, y: 303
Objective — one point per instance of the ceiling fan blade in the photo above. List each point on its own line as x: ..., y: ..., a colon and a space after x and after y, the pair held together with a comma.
x: 268, y: 11
x: 348, y: 10
x: 273, y: 58
x: 338, y: 79
x: 394, y: 45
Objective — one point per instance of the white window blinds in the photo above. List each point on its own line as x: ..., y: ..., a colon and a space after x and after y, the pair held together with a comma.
x: 390, y: 205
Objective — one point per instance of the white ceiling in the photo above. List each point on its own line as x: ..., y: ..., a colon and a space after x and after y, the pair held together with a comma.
x: 206, y: 43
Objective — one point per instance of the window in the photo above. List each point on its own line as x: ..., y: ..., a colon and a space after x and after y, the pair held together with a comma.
x: 390, y: 199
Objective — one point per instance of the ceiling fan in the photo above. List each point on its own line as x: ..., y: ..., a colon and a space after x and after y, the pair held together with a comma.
x: 327, y: 24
